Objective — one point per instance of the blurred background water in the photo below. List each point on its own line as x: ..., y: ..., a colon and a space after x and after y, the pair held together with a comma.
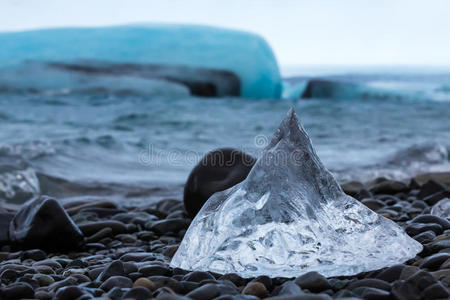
x: 154, y: 136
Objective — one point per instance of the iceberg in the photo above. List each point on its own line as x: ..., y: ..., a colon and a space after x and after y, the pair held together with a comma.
x: 289, y: 217
x: 328, y: 89
x: 244, y: 54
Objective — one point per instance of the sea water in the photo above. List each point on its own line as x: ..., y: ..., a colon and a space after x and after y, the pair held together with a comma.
x: 132, y: 136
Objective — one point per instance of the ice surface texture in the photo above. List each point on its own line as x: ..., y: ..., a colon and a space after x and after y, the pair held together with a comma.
x: 289, y: 217
x: 245, y: 54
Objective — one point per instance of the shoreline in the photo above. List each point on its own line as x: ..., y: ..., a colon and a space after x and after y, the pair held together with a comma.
x: 126, y: 251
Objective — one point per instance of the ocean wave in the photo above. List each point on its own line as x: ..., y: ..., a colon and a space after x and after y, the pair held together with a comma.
x: 27, y: 150
x: 405, y: 163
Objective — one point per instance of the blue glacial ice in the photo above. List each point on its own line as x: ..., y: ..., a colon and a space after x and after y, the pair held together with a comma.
x: 289, y: 217
x: 245, y: 54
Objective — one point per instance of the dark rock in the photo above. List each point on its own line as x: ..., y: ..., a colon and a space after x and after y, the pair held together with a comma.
x: 403, y: 290
x: 389, y: 187
x: 266, y: 280
x: 435, y: 198
x: 165, y: 296
x: 138, y: 256
x: 168, y: 225
x: 256, y: 289
x: 43, y: 223
x: 62, y: 283
x: 163, y: 281
x: 370, y: 282
x: 434, y: 261
x: 198, y: 276
x: 425, y: 237
x: 416, y: 228
x: 431, y: 219
x: 205, y: 292
x: 5, y: 219
x: 91, y: 228
x: 439, y: 245
x: 154, y: 270
x: 234, y: 278
x: 290, y: 288
x: 352, y: 188
x: 115, y: 293
x: 421, y: 279
x: 116, y: 281
x: 218, y: 170
x: 370, y: 293
x: 103, y: 233
x: 313, y: 282
x: 48, y: 262
x: 42, y: 295
x: 113, y: 269
x: 17, y: 291
x: 301, y: 297
x: 429, y: 188
x: 32, y: 282
x: 373, y: 204
x: 35, y: 254
x: 436, y: 291
x: 391, y: 274
x: 138, y: 293
x: 189, y: 286
x: 363, y: 194
x: 68, y: 293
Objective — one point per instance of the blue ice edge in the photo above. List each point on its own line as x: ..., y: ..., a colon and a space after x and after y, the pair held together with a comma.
x: 247, y: 55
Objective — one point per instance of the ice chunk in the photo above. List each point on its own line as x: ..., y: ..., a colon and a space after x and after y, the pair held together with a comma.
x: 442, y: 208
x: 289, y: 217
x: 18, y: 181
x: 245, y: 54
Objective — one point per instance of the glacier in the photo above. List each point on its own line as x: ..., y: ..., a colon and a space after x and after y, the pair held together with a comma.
x: 289, y: 217
x: 245, y: 54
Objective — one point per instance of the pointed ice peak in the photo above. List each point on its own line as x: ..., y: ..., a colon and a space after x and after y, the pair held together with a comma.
x: 289, y: 217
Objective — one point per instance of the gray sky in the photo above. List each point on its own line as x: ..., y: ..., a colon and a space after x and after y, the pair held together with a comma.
x: 323, y: 32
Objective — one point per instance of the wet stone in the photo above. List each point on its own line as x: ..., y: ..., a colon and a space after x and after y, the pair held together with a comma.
x: 198, y: 276
x: 91, y: 228
x: 17, y: 291
x: 391, y: 274
x: 256, y: 289
x: 429, y: 188
x: 44, y: 280
x: 434, y: 261
x: 205, y: 292
x: 313, y: 282
x: 436, y: 291
x: 427, y: 218
x: 403, y: 290
x: 145, y: 282
x: 68, y: 293
x: 116, y: 281
x: 170, y: 225
x: 138, y: 293
x: 421, y: 279
x: 113, y: 269
x: 416, y: 228
x: 163, y: 281
x: 435, y: 198
x: 154, y: 270
x: 290, y: 288
x: 439, y: 245
x: 370, y: 282
x: 425, y: 237
x: 373, y: 204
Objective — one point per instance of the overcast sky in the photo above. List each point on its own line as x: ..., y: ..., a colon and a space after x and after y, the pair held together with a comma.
x: 413, y: 32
